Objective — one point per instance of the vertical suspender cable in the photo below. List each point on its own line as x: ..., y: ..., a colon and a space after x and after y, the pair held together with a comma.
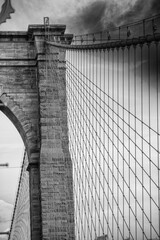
x: 112, y: 142
x: 149, y: 113
x: 158, y: 128
x: 141, y: 46
x: 87, y: 163
x: 129, y: 172
x: 79, y: 117
x: 92, y: 206
x: 96, y: 127
x: 123, y: 132
x: 100, y: 136
x: 77, y: 157
x: 90, y: 137
x: 104, y: 126
x: 83, y: 145
x: 118, y: 72
x: 135, y: 140
x: 108, y: 215
x: 82, y: 172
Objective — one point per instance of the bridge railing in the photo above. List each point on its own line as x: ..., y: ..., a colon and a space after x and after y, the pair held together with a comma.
x: 140, y: 29
x: 143, y: 28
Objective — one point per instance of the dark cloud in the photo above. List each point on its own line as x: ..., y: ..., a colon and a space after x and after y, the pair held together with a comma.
x: 136, y: 11
x: 91, y: 17
x: 102, y: 14
x: 94, y: 17
x: 97, y: 15
x: 155, y: 7
x: 140, y: 10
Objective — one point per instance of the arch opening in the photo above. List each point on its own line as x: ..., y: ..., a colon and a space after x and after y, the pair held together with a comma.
x: 26, y: 202
x: 11, y: 152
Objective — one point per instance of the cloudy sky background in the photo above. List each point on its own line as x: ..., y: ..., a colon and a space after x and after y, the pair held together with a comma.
x: 79, y: 16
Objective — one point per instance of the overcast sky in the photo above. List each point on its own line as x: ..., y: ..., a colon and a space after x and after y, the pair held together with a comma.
x: 80, y: 16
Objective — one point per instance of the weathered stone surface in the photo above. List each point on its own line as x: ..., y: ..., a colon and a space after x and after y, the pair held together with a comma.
x: 36, y: 104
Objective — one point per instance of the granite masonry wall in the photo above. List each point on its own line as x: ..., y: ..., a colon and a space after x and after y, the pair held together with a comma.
x: 36, y: 104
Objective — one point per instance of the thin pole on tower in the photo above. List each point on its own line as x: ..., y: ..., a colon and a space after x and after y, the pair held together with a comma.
x: 4, y: 165
x: 4, y: 233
